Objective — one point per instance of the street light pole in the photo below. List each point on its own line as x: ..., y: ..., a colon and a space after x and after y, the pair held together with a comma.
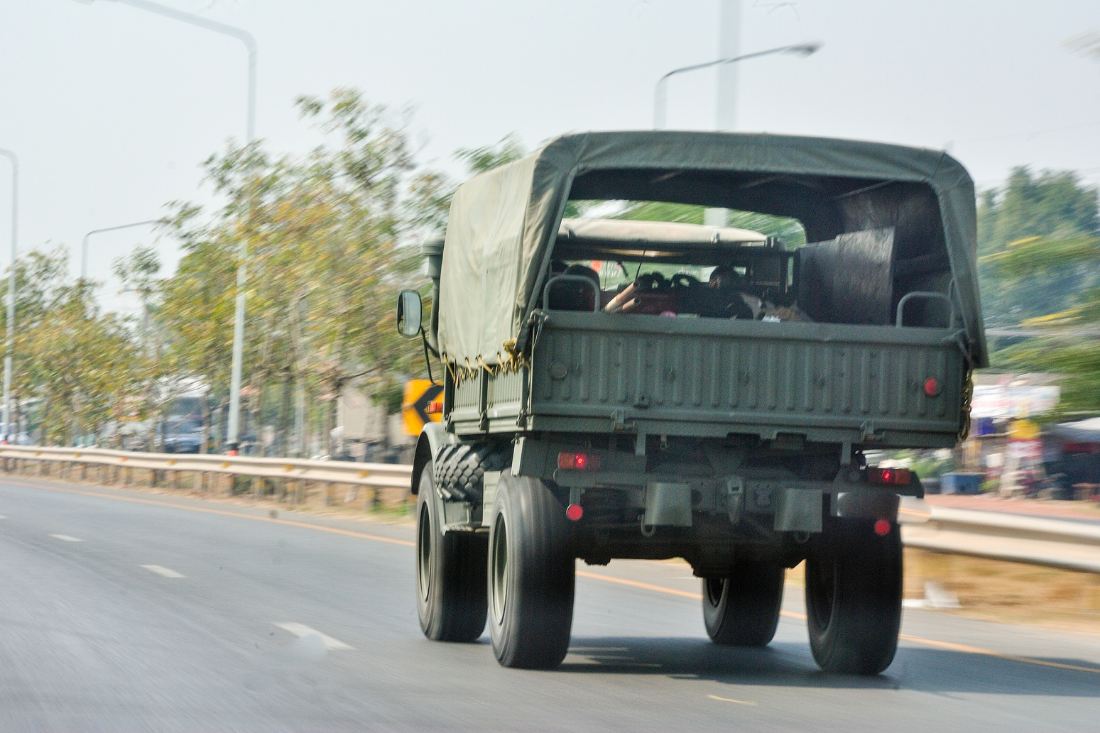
x: 660, y: 91
x: 9, y: 340
x: 233, y: 429
x: 84, y: 244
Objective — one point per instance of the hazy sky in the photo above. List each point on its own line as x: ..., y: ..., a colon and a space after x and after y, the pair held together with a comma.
x: 111, y: 109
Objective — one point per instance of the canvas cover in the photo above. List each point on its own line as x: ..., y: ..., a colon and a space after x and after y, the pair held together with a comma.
x: 503, y: 222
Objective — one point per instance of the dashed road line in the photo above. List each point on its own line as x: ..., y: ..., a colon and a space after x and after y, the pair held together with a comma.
x: 204, y: 510
x: 990, y: 653
x: 163, y: 571
x: 647, y: 586
x: 66, y: 538
x: 730, y: 699
x: 301, y: 630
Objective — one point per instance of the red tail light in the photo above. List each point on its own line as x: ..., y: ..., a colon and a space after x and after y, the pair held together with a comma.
x: 435, y: 408
x: 888, y: 476
x: 579, y: 461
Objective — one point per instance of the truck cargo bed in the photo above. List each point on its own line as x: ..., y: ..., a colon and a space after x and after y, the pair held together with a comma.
x: 711, y: 377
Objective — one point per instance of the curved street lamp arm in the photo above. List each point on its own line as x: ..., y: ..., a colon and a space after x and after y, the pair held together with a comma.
x: 212, y: 25
x: 84, y: 245
x: 660, y: 90
x: 242, y: 250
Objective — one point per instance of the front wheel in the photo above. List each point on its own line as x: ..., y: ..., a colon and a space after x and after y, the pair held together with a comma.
x: 742, y: 609
x: 450, y: 572
x: 853, y: 600
x: 531, y: 575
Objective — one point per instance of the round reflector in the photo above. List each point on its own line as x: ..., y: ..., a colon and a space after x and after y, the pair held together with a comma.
x: 882, y: 528
x: 574, y: 512
x: 931, y: 386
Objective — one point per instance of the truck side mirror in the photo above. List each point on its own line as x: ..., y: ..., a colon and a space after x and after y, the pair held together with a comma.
x: 409, y: 313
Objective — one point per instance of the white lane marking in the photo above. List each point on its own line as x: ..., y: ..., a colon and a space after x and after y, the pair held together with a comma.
x: 66, y: 538
x: 301, y: 630
x: 166, y: 572
x: 2, y: 516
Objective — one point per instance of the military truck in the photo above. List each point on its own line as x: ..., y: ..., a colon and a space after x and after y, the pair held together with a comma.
x: 631, y: 389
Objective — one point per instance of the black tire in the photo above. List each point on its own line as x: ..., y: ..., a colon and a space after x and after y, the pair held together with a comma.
x: 531, y: 575
x: 460, y: 469
x: 853, y: 600
x: 450, y: 573
x: 743, y: 608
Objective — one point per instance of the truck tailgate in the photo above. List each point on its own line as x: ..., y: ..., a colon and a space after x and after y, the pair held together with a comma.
x: 712, y: 377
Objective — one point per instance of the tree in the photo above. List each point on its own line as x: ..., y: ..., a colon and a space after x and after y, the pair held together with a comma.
x: 431, y: 192
x: 1036, y: 211
x: 1039, y: 247
x: 80, y: 364
x: 327, y: 248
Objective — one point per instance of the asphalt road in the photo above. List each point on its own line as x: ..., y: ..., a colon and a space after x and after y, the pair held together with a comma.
x: 129, y: 611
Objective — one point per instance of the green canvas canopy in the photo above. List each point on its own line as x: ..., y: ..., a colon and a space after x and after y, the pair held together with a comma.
x: 503, y: 223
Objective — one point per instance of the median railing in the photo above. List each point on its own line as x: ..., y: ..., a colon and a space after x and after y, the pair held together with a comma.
x: 1057, y: 543
x: 284, y: 475
x: 1027, y: 539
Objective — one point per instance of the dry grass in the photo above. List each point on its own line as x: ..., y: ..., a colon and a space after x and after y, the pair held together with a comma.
x: 1009, y: 592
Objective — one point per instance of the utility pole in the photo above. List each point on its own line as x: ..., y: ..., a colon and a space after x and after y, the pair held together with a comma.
x: 725, y: 106
x: 729, y: 46
x: 9, y: 342
x: 232, y: 438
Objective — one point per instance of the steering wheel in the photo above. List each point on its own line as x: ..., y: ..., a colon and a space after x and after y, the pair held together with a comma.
x: 684, y: 280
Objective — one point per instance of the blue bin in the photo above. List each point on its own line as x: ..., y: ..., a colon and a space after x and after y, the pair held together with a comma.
x: 961, y: 483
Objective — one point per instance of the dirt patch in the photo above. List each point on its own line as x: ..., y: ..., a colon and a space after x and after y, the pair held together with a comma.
x: 994, y: 590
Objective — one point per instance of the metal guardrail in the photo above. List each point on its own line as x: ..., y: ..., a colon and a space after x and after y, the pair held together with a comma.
x: 1057, y: 543
x: 378, y: 475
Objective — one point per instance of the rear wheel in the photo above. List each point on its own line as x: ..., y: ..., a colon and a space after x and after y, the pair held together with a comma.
x: 743, y: 608
x: 450, y: 573
x: 853, y: 600
x: 531, y: 575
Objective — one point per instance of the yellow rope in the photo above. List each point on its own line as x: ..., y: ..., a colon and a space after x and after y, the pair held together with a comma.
x: 508, y: 363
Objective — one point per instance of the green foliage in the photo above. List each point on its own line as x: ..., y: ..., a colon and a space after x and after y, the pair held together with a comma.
x: 390, y: 394
x: 1037, y: 245
x: 430, y: 193
x: 1077, y: 359
x: 325, y: 239
x: 80, y: 365
x: 479, y: 160
x: 1039, y: 263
